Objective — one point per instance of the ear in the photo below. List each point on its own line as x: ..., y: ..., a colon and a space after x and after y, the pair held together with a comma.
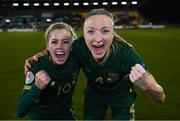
x: 71, y: 48
x: 47, y: 46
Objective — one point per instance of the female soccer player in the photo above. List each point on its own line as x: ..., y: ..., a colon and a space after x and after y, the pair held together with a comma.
x: 112, y: 67
x: 106, y: 60
x: 50, y: 82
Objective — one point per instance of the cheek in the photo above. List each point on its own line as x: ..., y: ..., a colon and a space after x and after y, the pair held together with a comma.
x: 109, y: 43
x: 110, y: 39
x: 47, y: 47
x: 88, y: 43
x: 68, y: 48
x: 50, y: 48
x: 88, y: 39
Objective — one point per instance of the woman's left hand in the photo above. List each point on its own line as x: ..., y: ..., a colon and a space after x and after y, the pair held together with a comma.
x: 139, y: 76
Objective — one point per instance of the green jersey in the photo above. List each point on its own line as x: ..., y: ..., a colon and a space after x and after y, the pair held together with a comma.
x: 56, y: 98
x: 106, y: 82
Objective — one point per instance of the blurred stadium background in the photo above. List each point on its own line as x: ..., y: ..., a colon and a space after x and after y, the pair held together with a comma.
x: 152, y: 27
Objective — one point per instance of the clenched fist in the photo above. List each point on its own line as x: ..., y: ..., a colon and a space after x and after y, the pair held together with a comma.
x: 140, y: 77
x: 143, y: 79
x: 42, y: 79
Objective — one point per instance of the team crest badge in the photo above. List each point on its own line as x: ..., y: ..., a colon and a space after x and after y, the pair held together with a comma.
x: 113, y: 77
x: 29, y: 77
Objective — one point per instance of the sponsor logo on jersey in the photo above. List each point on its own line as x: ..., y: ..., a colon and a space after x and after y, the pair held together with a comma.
x: 29, y: 77
x: 113, y: 77
x: 53, y: 83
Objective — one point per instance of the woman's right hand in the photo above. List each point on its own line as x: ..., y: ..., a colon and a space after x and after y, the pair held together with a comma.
x: 28, y: 63
x: 42, y: 79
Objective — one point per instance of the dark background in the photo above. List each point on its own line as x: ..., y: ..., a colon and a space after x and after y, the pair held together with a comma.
x: 164, y: 11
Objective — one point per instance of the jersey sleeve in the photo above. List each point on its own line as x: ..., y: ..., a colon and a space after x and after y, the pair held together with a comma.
x: 132, y: 58
x: 28, y: 97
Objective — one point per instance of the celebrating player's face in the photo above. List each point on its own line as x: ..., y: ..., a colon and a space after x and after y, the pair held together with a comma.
x: 59, y: 45
x: 98, y: 34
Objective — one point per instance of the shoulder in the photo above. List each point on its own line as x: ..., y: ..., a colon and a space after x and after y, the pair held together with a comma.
x: 121, y: 45
x: 36, y: 65
x: 79, y: 45
x: 78, y: 41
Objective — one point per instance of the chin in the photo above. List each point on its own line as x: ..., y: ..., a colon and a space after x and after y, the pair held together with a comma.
x: 60, y: 63
x: 98, y: 57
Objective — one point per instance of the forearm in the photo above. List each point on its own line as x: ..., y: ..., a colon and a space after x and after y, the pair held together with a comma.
x: 27, y: 98
x: 35, y: 57
x: 143, y: 79
x: 42, y: 53
x: 154, y: 90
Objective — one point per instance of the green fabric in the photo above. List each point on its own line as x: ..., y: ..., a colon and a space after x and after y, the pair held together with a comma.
x: 94, y: 110
x: 106, y: 83
x: 56, y: 99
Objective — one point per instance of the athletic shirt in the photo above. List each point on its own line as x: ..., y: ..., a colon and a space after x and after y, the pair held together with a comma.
x: 106, y: 80
x: 56, y: 97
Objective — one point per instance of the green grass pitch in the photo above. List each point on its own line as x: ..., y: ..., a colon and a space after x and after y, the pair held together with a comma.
x: 160, y: 49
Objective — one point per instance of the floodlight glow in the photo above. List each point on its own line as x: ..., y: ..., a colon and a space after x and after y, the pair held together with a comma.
x: 36, y: 4
x: 85, y: 3
x: 134, y: 2
x: 56, y: 4
x: 7, y: 20
x: 46, y: 4
x: 15, y: 4
x: 76, y: 4
x: 48, y: 20
x: 123, y: 3
x: 105, y: 3
x: 66, y: 4
x: 114, y: 3
x: 95, y: 3
x: 25, y: 4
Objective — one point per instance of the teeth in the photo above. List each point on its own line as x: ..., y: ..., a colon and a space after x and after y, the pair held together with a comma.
x: 60, y: 53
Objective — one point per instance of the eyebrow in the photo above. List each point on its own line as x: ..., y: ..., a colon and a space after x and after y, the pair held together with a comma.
x: 105, y: 27
x: 53, y: 39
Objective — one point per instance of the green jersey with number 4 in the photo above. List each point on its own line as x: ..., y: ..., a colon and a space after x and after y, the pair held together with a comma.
x: 106, y: 79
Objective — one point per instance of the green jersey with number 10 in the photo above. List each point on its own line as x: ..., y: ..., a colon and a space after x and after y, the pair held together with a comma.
x: 56, y: 97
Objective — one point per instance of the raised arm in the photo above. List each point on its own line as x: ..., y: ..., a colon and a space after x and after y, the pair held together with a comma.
x: 143, y: 79
x: 31, y: 92
x: 35, y: 57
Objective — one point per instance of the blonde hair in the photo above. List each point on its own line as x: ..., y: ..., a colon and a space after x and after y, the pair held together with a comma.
x: 60, y: 25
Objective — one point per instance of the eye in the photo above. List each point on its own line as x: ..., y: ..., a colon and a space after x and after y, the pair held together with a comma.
x: 106, y: 31
x: 65, y: 41
x: 90, y: 31
x: 54, y: 42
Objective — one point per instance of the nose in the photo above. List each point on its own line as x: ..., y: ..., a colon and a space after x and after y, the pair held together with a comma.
x: 60, y: 44
x: 98, y: 36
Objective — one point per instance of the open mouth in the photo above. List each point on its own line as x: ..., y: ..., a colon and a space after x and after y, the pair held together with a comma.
x: 98, y: 49
x: 60, y: 55
x: 98, y: 46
